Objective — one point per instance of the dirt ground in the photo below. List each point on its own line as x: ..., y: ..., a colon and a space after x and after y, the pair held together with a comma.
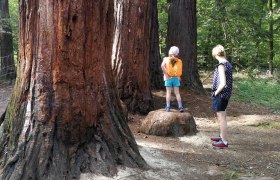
x: 253, y: 152
x: 254, y: 144
x: 5, y: 92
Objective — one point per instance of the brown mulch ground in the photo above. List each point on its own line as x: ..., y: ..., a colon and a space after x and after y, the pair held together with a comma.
x: 253, y: 153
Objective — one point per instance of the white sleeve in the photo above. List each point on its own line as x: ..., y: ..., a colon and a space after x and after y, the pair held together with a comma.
x: 165, y: 59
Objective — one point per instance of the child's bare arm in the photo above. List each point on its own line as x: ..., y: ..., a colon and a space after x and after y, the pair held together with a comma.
x: 163, y: 67
x: 222, y: 75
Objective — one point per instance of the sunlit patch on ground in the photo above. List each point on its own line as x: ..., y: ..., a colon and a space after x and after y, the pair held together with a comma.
x: 200, y: 139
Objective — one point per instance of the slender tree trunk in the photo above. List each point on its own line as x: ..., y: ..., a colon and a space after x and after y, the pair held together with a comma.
x: 6, y: 43
x: 271, y: 48
x: 130, y: 59
x: 65, y: 118
x: 156, y: 75
x: 258, y: 41
x: 182, y: 33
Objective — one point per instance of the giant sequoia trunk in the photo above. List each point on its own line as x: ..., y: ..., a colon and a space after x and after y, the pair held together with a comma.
x: 156, y: 75
x: 130, y: 58
x: 6, y: 43
x: 182, y: 33
x: 65, y: 117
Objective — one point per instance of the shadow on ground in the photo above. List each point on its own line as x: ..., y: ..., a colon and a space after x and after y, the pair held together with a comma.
x: 253, y: 153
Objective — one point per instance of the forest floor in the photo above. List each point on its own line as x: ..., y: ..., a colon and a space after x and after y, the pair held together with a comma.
x: 253, y: 152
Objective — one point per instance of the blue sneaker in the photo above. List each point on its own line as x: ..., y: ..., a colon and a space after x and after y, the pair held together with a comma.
x: 167, y: 108
x: 181, y: 109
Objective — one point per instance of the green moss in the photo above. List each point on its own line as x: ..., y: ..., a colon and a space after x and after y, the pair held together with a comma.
x: 231, y: 174
x: 12, y: 106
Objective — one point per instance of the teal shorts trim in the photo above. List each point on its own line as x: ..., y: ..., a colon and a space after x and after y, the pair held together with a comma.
x: 172, y: 82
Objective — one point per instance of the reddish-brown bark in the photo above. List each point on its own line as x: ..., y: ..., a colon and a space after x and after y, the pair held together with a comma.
x: 130, y: 60
x: 65, y: 117
x: 182, y: 33
x: 156, y: 75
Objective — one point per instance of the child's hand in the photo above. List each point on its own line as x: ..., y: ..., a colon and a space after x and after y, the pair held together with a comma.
x: 215, y: 93
x: 167, y: 77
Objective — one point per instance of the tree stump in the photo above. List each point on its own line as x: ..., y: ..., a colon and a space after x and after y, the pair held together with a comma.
x: 173, y: 123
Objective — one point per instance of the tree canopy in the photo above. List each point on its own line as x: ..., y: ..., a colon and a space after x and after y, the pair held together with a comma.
x: 241, y: 26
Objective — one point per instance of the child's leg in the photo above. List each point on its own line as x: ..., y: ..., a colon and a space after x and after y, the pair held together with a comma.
x: 168, y: 96
x: 178, y: 96
x: 221, y: 115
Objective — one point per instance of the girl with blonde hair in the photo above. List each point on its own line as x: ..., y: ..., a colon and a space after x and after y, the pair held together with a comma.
x: 221, y: 93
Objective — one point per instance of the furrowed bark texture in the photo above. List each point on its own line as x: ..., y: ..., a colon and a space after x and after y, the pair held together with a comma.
x: 156, y: 75
x: 130, y: 58
x: 182, y: 33
x: 65, y: 118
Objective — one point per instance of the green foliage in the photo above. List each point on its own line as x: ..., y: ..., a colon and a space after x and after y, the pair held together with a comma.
x: 231, y: 174
x: 4, y: 23
x: 10, y: 24
x: 163, y: 19
x: 261, y: 91
x: 13, y: 9
x: 242, y: 27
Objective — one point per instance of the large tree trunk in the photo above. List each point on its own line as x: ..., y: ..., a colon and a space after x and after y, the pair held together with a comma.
x: 65, y: 117
x: 156, y: 75
x: 6, y: 43
x: 130, y: 58
x: 182, y: 33
x: 271, y: 41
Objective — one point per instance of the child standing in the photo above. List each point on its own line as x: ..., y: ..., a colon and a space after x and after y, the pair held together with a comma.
x: 221, y: 92
x: 172, y: 70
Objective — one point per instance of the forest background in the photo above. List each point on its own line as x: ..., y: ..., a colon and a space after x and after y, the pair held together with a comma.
x: 243, y: 27
x: 248, y: 29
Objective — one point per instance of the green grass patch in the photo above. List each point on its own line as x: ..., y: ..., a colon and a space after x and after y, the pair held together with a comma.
x: 259, y: 91
x: 231, y: 174
x: 268, y: 125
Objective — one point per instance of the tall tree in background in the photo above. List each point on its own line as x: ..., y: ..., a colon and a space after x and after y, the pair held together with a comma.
x: 6, y: 43
x: 64, y: 117
x: 182, y: 33
x: 156, y: 75
x: 271, y: 39
x: 244, y: 28
x: 130, y: 59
